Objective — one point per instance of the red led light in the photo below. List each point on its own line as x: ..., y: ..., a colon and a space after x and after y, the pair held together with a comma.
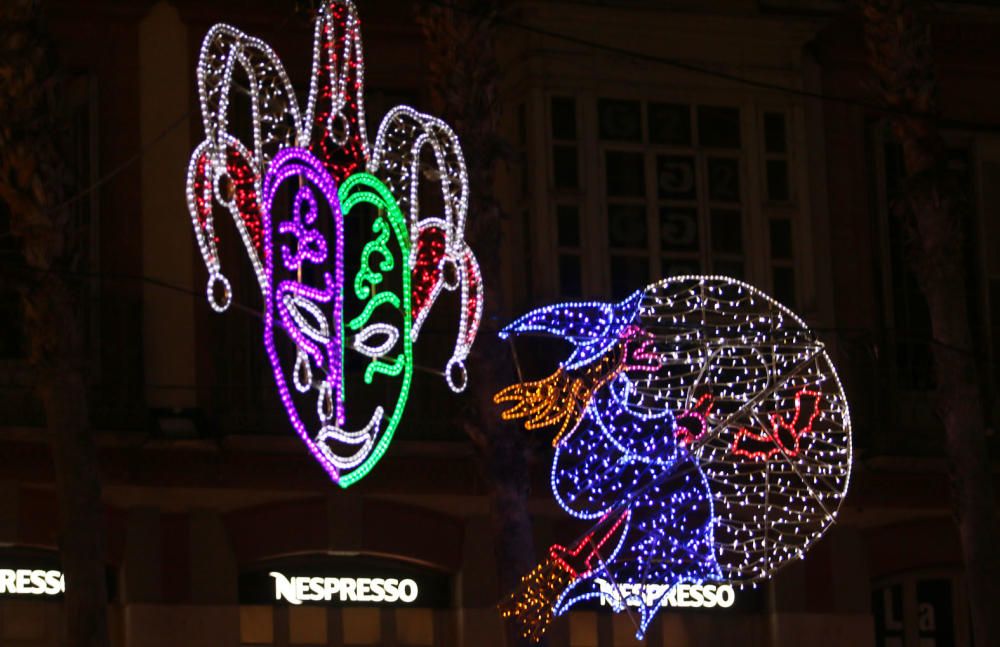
x: 563, y: 556
x: 245, y: 194
x: 693, y: 423
x: 427, y: 268
x: 784, y: 437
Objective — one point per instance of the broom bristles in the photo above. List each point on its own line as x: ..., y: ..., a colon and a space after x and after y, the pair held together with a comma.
x: 531, y: 603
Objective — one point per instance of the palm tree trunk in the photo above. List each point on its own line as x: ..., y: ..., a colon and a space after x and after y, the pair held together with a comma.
x: 464, y: 77
x: 81, y: 515
x: 32, y: 184
x: 898, y: 42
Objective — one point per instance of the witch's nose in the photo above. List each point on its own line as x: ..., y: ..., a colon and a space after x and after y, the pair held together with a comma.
x: 593, y: 327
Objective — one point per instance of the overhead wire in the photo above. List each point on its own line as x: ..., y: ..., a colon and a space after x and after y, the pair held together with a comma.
x: 120, y: 168
x: 159, y: 283
x: 676, y: 63
x: 570, y: 38
x: 702, y: 70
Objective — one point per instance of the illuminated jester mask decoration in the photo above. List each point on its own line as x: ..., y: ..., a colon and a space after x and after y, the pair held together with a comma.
x: 700, y: 428
x: 348, y: 265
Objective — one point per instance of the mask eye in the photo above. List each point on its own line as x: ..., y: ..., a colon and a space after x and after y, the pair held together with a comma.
x: 375, y: 340
x: 308, y: 317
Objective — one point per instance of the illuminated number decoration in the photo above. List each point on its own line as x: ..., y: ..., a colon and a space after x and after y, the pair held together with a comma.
x: 347, y: 263
x: 700, y: 427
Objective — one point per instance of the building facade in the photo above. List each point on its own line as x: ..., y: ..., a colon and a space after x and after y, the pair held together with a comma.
x: 692, y: 159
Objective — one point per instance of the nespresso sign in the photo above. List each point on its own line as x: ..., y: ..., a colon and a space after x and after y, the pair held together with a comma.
x: 38, y: 575
x: 343, y: 581
x: 28, y: 581
x: 697, y: 596
x: 344, y: 589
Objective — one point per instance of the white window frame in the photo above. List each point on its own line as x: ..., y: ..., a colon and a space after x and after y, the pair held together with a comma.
x: 592, y: 198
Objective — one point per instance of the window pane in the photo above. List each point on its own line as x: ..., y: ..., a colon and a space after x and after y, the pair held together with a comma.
x: 724, y: 179
x: 619, y: 120
x: 729, y: 268
x: 583, y: 629
x: 995, y: 323
x: 362, y: 626
x: 563, y: 118
x: 564, y: 166
x: 522, y: 124
x: 570, y: 279
x: 990, y: 182
x: 727, y: 231
x: 527, y: 223
x: 718, y: 127
x: 568, y: 223
x: 627, y: 226
x: 774, y: 132
x: 307, y: 625
x: 670, y: 123
x: 628, y: 274
x: 777, y: 180
x: 23, y: 620
x: 415, y: 627
x: 914, y: 367
x: 679, y: 229
x: 680, y: 266
x: 781, y: 239
x: 12, y: 338
x: 623, y: 631
x: 522, y: 169
x: 675, y: 177
x: 784, y: 286
x: 625, y: 174
x: 256, y: 625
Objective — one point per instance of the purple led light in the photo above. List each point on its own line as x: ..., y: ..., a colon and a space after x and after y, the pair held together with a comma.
x: 302, y: 340
x: 300, y: 164
x: 310, y: 244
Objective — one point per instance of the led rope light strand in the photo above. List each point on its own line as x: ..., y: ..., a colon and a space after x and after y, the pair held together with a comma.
x: 322, y: 155
x: 366, y: 188
x: 398, y: 158
x: 713, y: 419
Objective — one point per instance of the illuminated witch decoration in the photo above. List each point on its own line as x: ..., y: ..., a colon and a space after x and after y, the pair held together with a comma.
x: 348, y: 264
x: 703, y: 430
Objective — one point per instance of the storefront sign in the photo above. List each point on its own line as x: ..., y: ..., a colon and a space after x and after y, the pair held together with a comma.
x: 27, y: 581
x: 682, y: 596
x: 340, y: 581
x: 36, y: 574
x: 344, y: 589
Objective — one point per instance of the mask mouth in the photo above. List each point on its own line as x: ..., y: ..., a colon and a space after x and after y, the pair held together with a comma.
x: 347, y: 449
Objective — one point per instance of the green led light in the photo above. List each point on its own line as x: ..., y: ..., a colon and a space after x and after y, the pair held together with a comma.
x: 368, y: 189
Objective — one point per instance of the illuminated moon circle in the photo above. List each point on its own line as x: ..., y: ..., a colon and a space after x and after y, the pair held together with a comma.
x: 776, y: 443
